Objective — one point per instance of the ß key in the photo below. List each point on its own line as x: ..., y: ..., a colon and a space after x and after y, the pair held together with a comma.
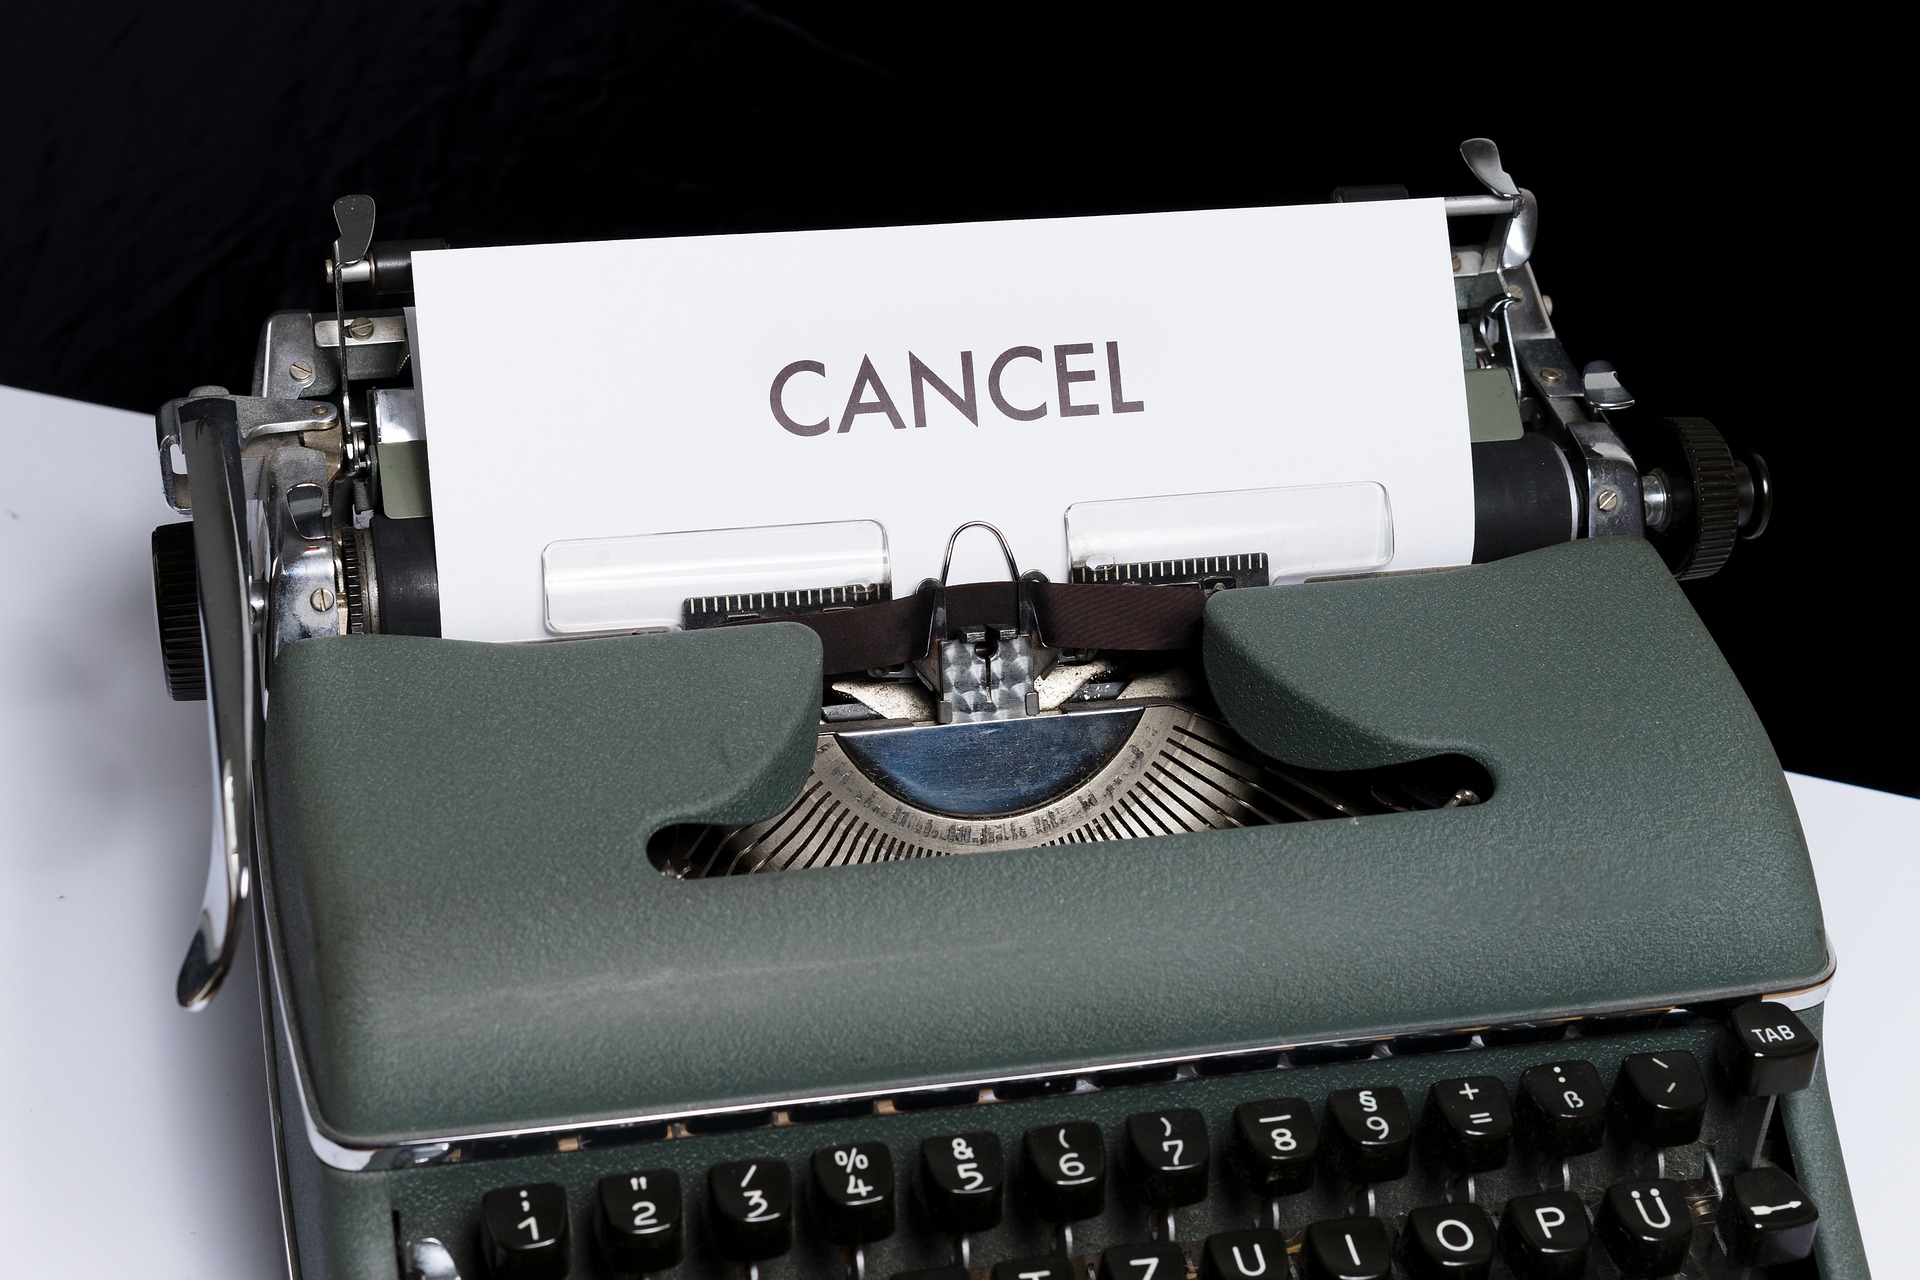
x: 963, y: 1179
x: 1170, y: 1152
x: 1347, y: 1249
x: 1646, y: 1227
x: 751, y: 1209
x: 1768, y: 1219
x: 1142, y: 1262
x: 1662, y: 1097
x: 1563, y: 1107
x: 1369, y: 1133
x: 1470, y: 1123
x: 1447, y: 1242
x: 523, y: 1232
x: 1770, y: 1051
x: 853, y: 1192
x: 1274, y: 1146
x: 1546, y: 1236
x: 639, y: 1222
x: 1066, y: 1171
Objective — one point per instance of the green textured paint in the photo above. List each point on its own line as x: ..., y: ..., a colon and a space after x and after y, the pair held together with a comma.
x: 1492, y: 413
x: 1807, y: 1117
x: 475, y: 940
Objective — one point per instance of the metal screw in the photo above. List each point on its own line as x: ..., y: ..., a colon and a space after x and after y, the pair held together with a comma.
x: 1515, y: 292
x: 302, y: 371
x: 322, y: 599
x: 1607, y: 499
x: 360, y: 327
x: 1553, y: 377
x: 1456, y: 264
x: 321, y: 411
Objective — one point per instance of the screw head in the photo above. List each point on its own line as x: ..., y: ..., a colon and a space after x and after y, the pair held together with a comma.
x: 302, y: 372
x: 1607, y: 499
x: 1456, y: 264
x: 321, y: 599
x: 1553, y: 377
x: 321, y: 410
x: 360, y: 327
x: 1515, y: 292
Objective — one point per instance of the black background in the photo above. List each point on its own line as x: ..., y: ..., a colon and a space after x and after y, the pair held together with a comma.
x: 1714, y: 216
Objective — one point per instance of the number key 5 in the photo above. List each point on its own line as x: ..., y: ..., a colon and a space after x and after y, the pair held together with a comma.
x: 963, y: 1178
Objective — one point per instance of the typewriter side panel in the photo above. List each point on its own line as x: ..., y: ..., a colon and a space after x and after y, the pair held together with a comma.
x: 1807, y: 1117
x: 486, y: 948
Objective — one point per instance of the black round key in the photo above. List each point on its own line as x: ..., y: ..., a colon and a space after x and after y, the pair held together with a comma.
x: 523, y: 1232
x: 1769, y: 1050
x: 1348, y: 1249
x: 1470, y: 1123
x: 1447, y: 1242
x: 1546, y: 1236
x: 1662, y: 1097
x: 963, y: 1180
x: 1052, y: 1267
x: 1142, y: 1262
x: 1369, y: 1133
x: 1066, y: 1171
x: 1170, y: 1153
x: 853, y: 1192
x: 1563, y: 1107
x: 751, y: 1209
x: 1274, y: 1146
x: 1239, y: 1255
x: 1647, y: 1227
x: 1768, y: 1219
x: 640, y: 1221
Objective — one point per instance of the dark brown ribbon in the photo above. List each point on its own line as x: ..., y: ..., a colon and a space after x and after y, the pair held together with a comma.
x: 1072, y: 615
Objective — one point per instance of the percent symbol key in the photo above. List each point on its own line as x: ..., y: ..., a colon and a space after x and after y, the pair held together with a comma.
x: 854, y: 1192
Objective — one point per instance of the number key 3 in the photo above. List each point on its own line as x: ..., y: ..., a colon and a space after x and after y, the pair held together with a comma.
x: 752, y: 1209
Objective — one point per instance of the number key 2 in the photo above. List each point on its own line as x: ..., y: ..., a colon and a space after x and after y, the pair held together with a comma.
x: 639, y: 1222
x: 1274, y: 1146
x: 963, y: 1177
x: 752, y: 1203
x: 1171, y: 1152
x: 1067, y: 1171
x: 853, y: 1191
x: 1370, y: 1133
x: 523, y: 1231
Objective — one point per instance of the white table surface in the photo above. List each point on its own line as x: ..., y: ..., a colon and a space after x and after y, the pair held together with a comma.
x: 136, y: 1133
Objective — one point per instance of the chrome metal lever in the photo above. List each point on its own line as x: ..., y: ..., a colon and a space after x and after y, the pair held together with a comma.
x: 1512, y: 242
x: 208, y: 432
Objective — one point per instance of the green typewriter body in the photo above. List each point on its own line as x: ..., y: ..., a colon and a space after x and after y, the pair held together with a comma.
x: 1455, y: 923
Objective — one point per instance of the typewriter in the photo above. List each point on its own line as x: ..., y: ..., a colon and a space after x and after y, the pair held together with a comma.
x: 1167, y: 921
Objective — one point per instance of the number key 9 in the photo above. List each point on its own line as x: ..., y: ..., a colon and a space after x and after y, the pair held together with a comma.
x: 1370, y: 1133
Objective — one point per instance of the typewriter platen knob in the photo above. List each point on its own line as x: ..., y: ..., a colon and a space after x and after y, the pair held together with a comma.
x: 1700, y: 496
x: 176, y: 599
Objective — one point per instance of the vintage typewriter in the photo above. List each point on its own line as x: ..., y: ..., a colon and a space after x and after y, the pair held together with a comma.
x: 1153, y: 924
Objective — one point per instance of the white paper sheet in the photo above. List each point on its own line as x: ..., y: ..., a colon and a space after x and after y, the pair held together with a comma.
x: 622, y: 388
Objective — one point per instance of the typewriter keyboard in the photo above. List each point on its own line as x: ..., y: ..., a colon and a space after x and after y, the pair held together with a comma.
x: 1605, y: 1148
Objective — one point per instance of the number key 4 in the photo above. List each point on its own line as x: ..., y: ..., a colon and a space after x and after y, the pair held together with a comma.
x: 853, y: 1192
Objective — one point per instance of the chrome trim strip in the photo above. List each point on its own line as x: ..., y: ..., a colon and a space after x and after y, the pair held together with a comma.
x: 456, y: 1148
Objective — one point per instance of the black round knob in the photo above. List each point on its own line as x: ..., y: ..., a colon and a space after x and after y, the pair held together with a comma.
x: 1702, y: 512
x: 176, y: 601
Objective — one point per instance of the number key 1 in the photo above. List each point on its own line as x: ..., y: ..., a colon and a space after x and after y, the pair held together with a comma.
x: 853, y: 1191
x: 523, y: 1231
x: 1274, y: 1146
x: 639, y: 1223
